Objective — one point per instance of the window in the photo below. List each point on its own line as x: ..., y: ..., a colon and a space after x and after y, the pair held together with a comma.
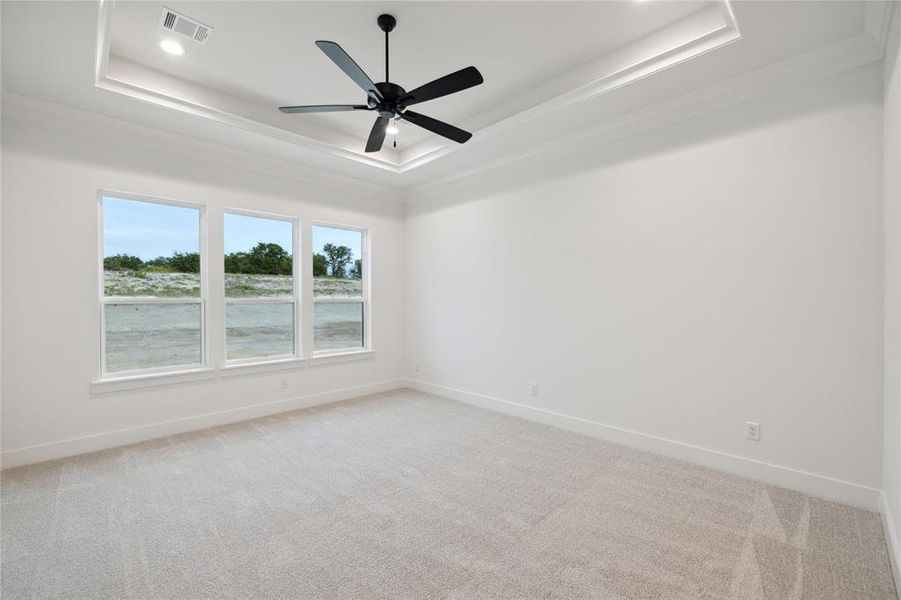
x: 260, y: 287
x: 339, y: 289
x: 152, y: 302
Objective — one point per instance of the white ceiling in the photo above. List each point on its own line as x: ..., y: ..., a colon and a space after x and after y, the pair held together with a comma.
x: 553, y: 70
x: 263, y: 52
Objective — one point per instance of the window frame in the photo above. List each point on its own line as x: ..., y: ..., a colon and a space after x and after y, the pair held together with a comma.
x: 366, y: 347
x: 296, y: 298
x: 201, y: 300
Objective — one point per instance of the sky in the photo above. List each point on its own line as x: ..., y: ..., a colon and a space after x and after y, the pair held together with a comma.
x: 339, y: 237
x: 243, y: 233
x: 148, y: 230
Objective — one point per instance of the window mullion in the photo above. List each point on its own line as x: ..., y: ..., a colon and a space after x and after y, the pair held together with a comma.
x: 261, y: 300
x: 150, y: 300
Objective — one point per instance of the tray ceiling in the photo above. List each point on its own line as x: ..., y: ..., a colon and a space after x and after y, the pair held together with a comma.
x: 557, y: 74
x: 261, y: 55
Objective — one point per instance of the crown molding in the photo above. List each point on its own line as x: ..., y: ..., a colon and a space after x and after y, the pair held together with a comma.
x: 823, y: 62
x: 848, y: 53
x: 103, y: 79
x: 696, y: 46
x: 686, y: 49
x: 57, y: 116
x: 817, y: 64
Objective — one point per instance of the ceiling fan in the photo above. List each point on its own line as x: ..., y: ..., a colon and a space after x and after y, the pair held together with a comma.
x: 389, y: 99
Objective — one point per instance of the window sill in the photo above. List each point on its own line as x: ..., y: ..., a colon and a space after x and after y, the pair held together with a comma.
x: 262, y: 366
x: 339, y: 357
x: 150, y: 380
x: 118, y: 384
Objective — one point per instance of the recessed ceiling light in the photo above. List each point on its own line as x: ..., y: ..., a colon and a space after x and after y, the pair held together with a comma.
x: 392, y: 129
x: 172, y: 47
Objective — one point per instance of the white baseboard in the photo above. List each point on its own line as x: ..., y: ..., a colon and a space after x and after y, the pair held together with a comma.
x: 891, y: 539
x: 123, y: 437
x: 809, y: 483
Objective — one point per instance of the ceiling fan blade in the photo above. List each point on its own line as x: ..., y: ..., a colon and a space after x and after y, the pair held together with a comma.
x: 435, y: 126
x: 449, y: 84
x: 377, y: 135
x: 318, y: 108
x: 352, y: 69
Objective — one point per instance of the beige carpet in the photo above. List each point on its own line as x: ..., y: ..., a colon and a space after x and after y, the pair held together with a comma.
x: 403, y: 495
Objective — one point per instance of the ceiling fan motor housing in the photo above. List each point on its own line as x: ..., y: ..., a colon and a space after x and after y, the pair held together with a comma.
x: 391, y: 92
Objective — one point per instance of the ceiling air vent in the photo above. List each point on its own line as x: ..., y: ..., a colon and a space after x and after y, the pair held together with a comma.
x: 185, y: 27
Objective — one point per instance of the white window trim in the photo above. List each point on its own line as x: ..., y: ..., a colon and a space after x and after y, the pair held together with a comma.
x: 275, y: 360
x: 328, y: 357
x: 276, y: 364
x: 367, y: 349
x: 146, y: 380
x: 151, y: 380
x: 121, y: 381
x: 103, y: 300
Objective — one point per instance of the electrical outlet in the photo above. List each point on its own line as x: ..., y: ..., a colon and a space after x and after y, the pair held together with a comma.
x: 534, y: 390
x: 418, y: 367
x: 752, y: 431
x: 284, y: 384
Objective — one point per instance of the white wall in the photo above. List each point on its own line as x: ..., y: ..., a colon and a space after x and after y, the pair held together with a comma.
x: 50, y: 281
x: 677, y: 284
x: 892, y: 195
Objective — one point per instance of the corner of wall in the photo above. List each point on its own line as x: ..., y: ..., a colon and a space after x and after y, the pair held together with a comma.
x: 890, y: 505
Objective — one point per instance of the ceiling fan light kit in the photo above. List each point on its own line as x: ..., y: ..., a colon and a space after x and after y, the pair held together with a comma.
x: 389, y: 99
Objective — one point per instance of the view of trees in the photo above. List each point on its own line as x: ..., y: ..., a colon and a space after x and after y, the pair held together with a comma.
x: 262, y: 259
x: 122, y: 262
x: 334, y: 263
x: 337, y: 258
x: 320, y: 266
x: 179, y: 262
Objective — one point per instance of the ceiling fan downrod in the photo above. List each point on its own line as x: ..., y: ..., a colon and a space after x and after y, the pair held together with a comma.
x: 386, y: 23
